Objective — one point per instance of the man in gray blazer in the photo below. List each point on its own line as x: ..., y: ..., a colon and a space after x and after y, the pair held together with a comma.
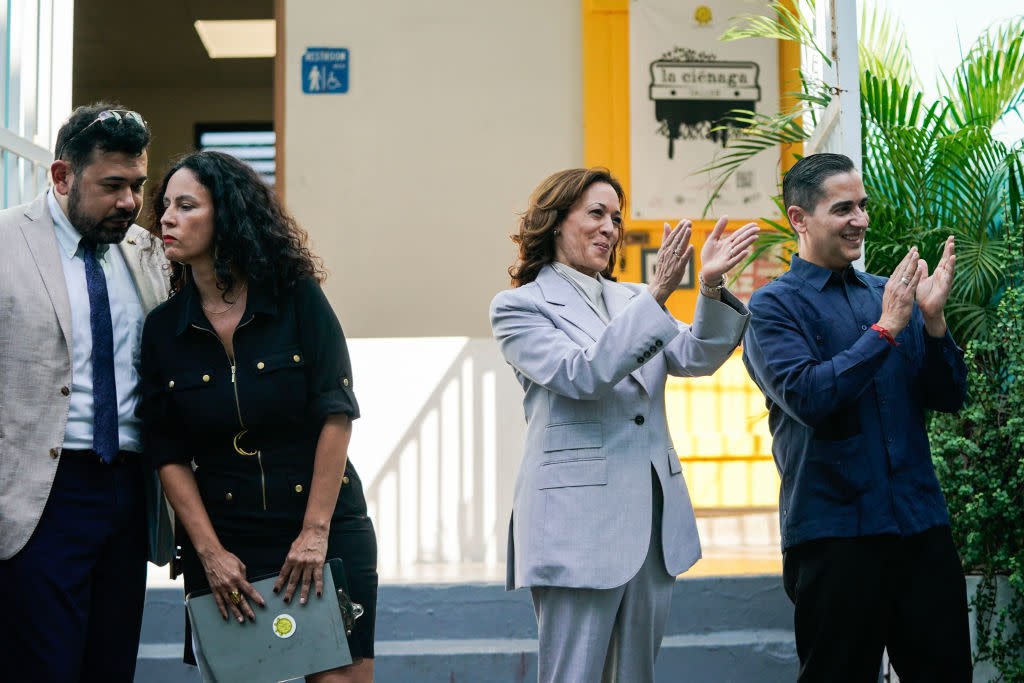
x: 77, y: 278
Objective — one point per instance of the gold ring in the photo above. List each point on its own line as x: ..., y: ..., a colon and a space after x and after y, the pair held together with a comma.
x: 235, y: 597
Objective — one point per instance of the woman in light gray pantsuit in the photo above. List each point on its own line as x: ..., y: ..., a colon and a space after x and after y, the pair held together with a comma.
x: 601, y: 520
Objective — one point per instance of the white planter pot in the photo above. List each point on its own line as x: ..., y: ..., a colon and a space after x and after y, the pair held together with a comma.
x: 985, y: 671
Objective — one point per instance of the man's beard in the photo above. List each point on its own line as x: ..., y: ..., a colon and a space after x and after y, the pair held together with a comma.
x: 94, y: 228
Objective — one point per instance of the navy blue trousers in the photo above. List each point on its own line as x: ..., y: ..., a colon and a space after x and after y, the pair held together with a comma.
x: 73, y: 596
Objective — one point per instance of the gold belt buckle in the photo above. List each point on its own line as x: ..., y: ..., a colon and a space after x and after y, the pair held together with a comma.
x: 239, y: 449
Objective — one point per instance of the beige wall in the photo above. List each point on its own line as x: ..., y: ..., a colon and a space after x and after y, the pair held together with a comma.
x: 408, y: 183
x: 173, y: 112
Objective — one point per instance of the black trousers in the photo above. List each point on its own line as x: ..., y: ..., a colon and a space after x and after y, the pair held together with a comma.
x: 856, y: 596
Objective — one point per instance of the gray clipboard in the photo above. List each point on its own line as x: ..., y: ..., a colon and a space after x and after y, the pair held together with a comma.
x: 286, y: 641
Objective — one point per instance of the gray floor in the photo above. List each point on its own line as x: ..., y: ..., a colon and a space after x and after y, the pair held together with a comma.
x: 721, y: 630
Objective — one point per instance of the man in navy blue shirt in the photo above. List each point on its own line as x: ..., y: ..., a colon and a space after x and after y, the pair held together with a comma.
x: 849, y: 363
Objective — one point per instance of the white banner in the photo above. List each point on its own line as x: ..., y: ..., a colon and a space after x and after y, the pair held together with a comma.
x: 682, y: 81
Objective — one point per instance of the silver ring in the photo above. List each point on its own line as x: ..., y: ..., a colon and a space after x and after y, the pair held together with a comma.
x: 675, y: 252
x: 906, y: 281
x: 730, y: 253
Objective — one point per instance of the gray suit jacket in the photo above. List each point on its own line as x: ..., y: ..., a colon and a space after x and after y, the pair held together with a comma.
x: 35, y: 364
x: 595, y: 414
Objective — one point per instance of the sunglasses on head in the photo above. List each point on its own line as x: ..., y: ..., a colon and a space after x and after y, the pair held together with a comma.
x: 107, y: 115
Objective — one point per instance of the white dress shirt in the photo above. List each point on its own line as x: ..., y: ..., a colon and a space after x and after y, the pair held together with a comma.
x: 126, y: 316
x: 591, y: 288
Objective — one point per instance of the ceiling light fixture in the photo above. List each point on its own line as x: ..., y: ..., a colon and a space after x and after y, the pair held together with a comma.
x: 237, y: 39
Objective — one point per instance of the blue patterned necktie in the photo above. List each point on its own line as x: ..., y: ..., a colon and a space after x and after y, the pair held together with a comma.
x: 104, y: 385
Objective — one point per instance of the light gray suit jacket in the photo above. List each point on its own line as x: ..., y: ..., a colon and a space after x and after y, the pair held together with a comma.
x: 595, y: 414
x: 35, y: 364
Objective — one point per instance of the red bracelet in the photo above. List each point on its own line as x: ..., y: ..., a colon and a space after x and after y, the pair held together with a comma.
x: 884, y: 334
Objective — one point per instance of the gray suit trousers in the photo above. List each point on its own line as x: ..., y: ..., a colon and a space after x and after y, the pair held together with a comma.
x: 610, y: 634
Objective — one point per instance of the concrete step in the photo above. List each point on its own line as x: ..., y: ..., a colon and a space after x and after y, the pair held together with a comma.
x: 726, y: 657
x: 720, y: 629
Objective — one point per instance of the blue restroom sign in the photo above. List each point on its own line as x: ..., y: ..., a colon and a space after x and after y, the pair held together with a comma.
x: 325, y: 71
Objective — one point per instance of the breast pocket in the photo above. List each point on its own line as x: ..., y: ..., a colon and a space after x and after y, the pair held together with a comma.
x: 280, y: 381
x: 195, y: 396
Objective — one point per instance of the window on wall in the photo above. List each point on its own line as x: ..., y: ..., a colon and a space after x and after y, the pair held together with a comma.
x: 253, y: 143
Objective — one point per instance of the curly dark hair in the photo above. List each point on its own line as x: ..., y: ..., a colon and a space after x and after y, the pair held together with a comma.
x: 252, y: 231
x: 549, y: 204
x: 81, y: 134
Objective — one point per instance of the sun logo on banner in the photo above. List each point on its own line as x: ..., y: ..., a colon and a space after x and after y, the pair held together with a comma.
x: 703, y: 15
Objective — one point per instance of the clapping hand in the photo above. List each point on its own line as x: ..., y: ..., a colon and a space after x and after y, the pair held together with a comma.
x: 899, y: 293
x: 933, y: 290
x: 673, y: 257
x: 722, y: 252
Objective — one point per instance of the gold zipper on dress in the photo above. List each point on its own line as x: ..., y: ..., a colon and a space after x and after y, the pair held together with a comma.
x: 263, y: 480
x: 238, y: 408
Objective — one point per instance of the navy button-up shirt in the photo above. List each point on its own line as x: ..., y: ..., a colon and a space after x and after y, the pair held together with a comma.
x: 847, y: 408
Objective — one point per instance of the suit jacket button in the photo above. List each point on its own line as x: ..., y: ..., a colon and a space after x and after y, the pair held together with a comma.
x: 64, y: 391
x: 657, y: 342
x: 261, y: 365
x: 206, y: 378
x: 228, y: 497
x: 296, y: 358
x: 170, y: 385
x: 640, y: 359
x: 344, y: 480
x: 653, y: 349
x: 54, y: 452
x: 639, y: 419
x: 298, y: 488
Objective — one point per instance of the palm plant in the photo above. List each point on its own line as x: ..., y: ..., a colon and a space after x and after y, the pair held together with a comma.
x: 931, y: 169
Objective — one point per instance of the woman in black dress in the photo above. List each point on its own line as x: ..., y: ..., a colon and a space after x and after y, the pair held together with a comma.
x: 248, y: 403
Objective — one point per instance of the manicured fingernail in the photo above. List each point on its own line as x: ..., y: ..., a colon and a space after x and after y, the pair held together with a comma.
x: 241, y: 620
x: 302, y: 601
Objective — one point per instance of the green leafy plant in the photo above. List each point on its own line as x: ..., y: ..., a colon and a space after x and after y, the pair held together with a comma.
x: 979, y: 457
x: 931, y: 169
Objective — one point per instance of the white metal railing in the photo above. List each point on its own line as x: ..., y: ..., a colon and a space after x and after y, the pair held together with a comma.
x: 24, y: 167
x: 444, y: 492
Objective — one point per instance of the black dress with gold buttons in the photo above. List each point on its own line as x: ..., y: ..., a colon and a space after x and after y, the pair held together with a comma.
x: 249, y: 426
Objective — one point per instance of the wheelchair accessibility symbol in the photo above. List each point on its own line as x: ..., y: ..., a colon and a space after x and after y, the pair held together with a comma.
x: 325, y: 71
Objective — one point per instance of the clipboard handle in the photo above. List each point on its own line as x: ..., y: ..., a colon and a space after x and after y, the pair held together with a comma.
x: 350, y: 611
